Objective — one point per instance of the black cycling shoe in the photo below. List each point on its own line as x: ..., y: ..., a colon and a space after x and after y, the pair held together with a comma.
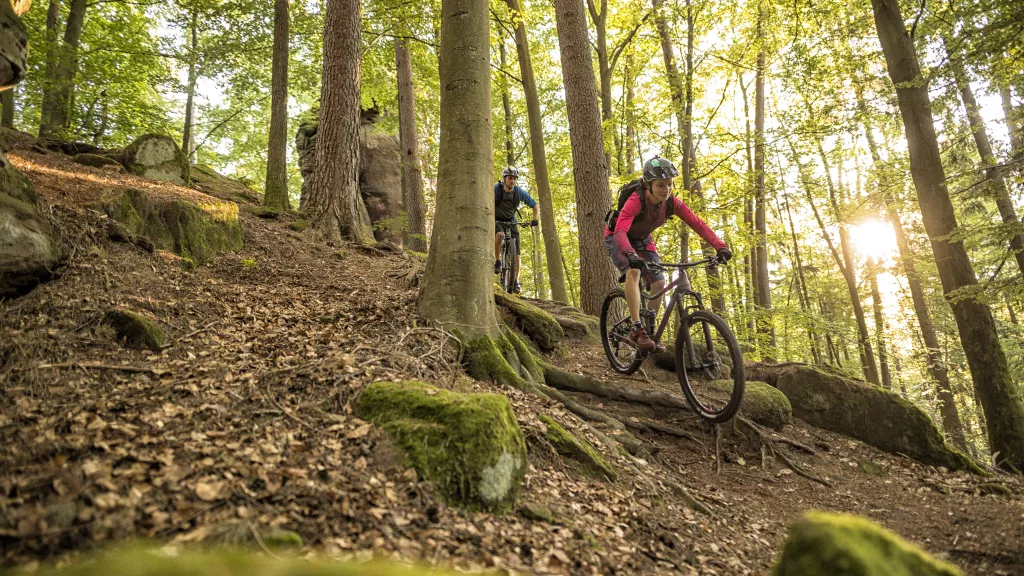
x: 497, y: 266
x: 518, y: 288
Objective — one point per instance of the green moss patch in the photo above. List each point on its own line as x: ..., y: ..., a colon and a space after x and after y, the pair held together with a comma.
x: 134, y: 331
x: 540, y: 326
x: 227, y: 562
x: 821, y: 543
x: 761, y: 403
x: 868, y: 413
x: 208, y: 180
x: 198, y: 231
x: 568, y: 445
x: 469, y: 445
x: 536, y: 511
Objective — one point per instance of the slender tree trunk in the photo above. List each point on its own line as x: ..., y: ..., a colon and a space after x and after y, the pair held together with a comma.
x: 412, y: 175
x: 188, y: 133
x: 7, y: 100
x: 552, y: 244
x: 802, y: 294
x: 506, y: 107
x: 630, y: 142
x: 58, y: 98
x: 1013, y: 122
x: 589, y: 169
x: 604, y: 67
x: 993, y: 172
x: 1009, y: 309
x: 335, y: 207
x: 876, y: 303
x: 101, y: 130
x: 52, y: 55
x: 275, y: 193
x: 458, y: 284
x: 750, y: 266
x: 762, y: 289
x: 1000, y: 396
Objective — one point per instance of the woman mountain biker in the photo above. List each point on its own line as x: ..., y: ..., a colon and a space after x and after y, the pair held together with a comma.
x: 507, y: 197
x: 630, y: 244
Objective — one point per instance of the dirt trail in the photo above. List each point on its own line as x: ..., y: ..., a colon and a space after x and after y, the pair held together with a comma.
x: 245, y: 416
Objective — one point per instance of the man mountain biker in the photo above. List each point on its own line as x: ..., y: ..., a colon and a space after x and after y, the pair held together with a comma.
x: 630, y: 244
x: 507, y: 197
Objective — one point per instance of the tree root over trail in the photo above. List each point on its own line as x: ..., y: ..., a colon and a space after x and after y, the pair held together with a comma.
x: 769, y: 442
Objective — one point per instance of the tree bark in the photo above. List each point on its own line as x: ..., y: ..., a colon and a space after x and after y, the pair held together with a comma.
x: 52, y: 54
x: 7, y: 100
x: 1013, y: 122
x: 57, y: 99
x: 936, y: 366
x: 590, y: 171
x: 762, y: 289
x: 876, y: 303
x: 336, y: 208
x: 412, y: 174
x: 993, y: 172
x: 749, y: 256
x: 999, y: 395
x: 604, y: 67
x: 630, y: 139
x: 552, y: 244
x: 506, y: 107
x: 275, y: 193
x: 802, y: 294
x: 458, y: 282
x: 188, y: 136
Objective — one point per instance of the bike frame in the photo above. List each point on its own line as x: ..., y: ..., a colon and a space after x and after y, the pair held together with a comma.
x: 677, y: 296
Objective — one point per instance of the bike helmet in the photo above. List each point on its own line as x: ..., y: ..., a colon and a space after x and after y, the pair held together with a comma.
x: 510, y: 171
x: 657, y: 168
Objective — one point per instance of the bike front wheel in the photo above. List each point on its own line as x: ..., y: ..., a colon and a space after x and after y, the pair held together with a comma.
x: 709, y: 364
x: 616, y: 326
x: 508, y: 264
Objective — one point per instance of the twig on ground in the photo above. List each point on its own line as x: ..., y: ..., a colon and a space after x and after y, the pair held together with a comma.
x: 287, y: 412
x: 94, y: 366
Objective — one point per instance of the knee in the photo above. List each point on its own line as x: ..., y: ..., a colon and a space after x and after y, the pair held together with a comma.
x: 658, y: 286
x: 633, y: 275
x: 499, y: 236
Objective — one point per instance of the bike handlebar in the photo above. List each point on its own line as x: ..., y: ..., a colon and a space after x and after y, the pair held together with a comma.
x: 710, y: 262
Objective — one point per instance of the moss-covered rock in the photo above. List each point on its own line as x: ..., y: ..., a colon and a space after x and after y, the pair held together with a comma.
x: 134, y: 331
x: 29, y: 252
x: 869, y: 467
x: 298, y: 225
x: 761, y: 403
x: 211, y: 182
x: 536, y: 511
x: 574, y: 322
x: 380, y: 182
x: 227, y: 562
x: 157, y: 157
x: 537, y: 324
x: 868, y: 413
x: 840, y: 544
x: 263, y: 212
x: 568, y: 445
x: 96, y: 161
x: 194, y: 230
x: 469, y: 445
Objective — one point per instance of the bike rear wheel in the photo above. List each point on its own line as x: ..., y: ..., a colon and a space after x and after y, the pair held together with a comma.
x: 616, y: 326
x: 709, y: 364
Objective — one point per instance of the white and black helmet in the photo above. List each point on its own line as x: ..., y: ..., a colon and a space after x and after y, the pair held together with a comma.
x: 510, y: 171
x: 657, y: 168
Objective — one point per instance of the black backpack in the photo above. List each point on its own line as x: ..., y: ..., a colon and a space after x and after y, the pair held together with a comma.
x: 627, y: 190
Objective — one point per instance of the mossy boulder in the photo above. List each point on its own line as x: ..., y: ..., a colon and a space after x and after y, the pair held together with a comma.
x: 575, y: 323
x: 568, y: 445
x: 29, y: 252
x: 96, y: 161
x: 224, y: 562
x: 761, y: 403
x: 134, y: 331
x: 209, y: 181
x: 157, y: 157
x: 822, y: 543
x: 194, y: 230
x: 537, y: 324
x: 469, y: 445
x: 380, y: 182
x: 868, y: 413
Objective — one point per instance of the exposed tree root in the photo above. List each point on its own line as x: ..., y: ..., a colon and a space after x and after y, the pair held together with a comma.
x: 652, y: 426
x: 769, y: 442
x: 578, y: 383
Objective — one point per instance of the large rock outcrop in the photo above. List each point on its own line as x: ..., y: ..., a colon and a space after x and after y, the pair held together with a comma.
x: 468, y: 445
x: 841, y: 544
x: 28, y: 249
x: 195, y: 230
x: 157, y: 157
x: 380, y: 182
x: 13, y: 42
x: 868, y: 413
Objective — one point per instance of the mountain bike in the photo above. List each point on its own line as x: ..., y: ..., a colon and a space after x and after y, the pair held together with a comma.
x: 507, y: 276
x: 708, y: 359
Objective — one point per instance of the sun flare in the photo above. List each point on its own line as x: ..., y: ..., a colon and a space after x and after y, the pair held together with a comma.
x: 873, y: 239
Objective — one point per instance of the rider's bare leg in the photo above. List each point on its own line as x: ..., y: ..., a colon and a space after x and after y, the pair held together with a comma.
x: 498, y: 237
x: 632, y: 288
x: 655, y: 303
x: 519, y: 265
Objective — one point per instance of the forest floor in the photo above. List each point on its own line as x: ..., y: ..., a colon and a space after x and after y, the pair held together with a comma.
x: 244, y: 419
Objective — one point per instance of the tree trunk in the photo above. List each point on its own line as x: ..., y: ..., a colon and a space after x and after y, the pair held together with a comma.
x: 802, y: 294
x: 458, y: 284
x: 275, y: 193
x: 936, y: 367
x: 762, y: 289
x: 188, y: 136
x: 993, y: 172
x: 506, y: 107
x: 590, y: 172
x: 750, y: 267
x: 7, y: 100
x: 412, y: 175
x: 336, y: 208
x: 101, y: 130
x: 552, y: 244
x: 52, y: 54
x: 999, y: 395
x: 58, y: 97
x: 1013, y: 122
x: 630, y: 140
x: 604, y: 67
x: 876, y: 303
